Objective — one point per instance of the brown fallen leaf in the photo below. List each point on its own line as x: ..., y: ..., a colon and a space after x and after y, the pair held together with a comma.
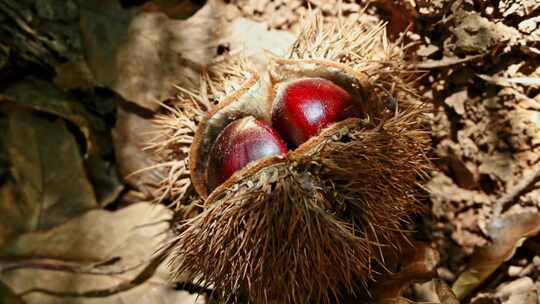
x: 399, y: 15
x: 40, y: 95
x: 433, y: 291
x: 419, y: 264
x: 507, y: 233
x: 476, y: 34
x: 74, y: 75
x: 48, y: 172
x: 508, y: 81
x: 131, y: 134
x: 253, y: 40
x: 12, y: 215
x: 444, y: 293
x: 141, y: 55
x: 177, y: 9
x: 3, y: 148
x: 44, y: 97
x: 446, y: 61
x: 7, y: 296
x: 115, y: 252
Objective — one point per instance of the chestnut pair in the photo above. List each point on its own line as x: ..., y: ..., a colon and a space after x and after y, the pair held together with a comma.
x: 303, y: 107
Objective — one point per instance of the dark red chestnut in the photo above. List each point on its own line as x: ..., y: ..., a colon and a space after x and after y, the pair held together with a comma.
x: 305, y: 106
x: 241, y: 142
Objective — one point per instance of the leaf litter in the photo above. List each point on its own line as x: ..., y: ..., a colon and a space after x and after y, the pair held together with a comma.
x: 481, y: 63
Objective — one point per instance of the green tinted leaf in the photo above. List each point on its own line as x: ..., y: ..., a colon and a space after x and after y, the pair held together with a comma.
x: 7, y: 296
x: 48, y: 171
x: 44, y: 97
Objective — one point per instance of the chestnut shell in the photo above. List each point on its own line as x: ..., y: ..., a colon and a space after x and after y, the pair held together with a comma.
x: 241, y: 142
x: 305, y: 106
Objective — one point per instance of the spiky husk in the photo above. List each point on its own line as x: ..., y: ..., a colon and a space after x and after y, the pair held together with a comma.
x: 320, y: 222
x: 177, y: 125
x: 307, y: 228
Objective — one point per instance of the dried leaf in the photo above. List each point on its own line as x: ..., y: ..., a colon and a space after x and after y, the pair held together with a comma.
x: 476, y: 34
x: 399, y: 15
x: 433, y: 291
x: 118, y: 245
x: 445, y: 294
x: 418, y: 265
x: 7, y: 296
x: 500, y: 165
x: 12, y: 217
x: 253, y: 40
x: 48, y: 171
x: 446, y: 61
x: 42, y: 96
x: 173, y: 8
x: 104, y: 176
x: 506, y: 82
x: 520, y: 8
x: 74, y: 75
x: 141, y: 56
x: 507, y: 234
x: 3, y: 148
x: 130, y: 137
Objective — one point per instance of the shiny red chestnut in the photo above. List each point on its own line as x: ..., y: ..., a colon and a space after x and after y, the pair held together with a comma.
x: 241, y: 142
x: 306, y: 106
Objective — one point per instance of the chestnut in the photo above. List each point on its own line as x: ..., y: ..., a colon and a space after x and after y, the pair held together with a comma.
x: 305, y: 106
x: 239, y: 143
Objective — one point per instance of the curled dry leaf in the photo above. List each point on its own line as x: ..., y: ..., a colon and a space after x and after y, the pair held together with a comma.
x: 141, y: 55
x: 399, y: 15
x: 7, y: 296
x: 444, y: 293
x: 13, y: 218
x: 507, y: 233
x: 173, y: 8
x: 135, y: 165
x: 3, y: 148
x: 118, y: 249
x: 476, y: 34
x: 253, y: 40
x: 74, y: 75
x: 506, y: 82
x: 44, y: 97
x: 48, y: 172
x: 446, y: 62
x: 418, y: 265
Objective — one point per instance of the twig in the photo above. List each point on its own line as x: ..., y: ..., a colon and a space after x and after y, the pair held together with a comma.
x: 445, y: 62
x: 193, y: 288
x: 527, y: 180
x: 93, y: 269
x: 144, y: 275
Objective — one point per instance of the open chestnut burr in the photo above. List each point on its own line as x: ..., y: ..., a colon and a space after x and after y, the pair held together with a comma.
x: 317, y: 222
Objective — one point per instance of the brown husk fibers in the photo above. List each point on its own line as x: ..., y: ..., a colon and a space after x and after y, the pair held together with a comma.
x: 322, y: 220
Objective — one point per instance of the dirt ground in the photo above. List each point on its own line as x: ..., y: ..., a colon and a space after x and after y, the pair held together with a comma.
x: 84, y: 80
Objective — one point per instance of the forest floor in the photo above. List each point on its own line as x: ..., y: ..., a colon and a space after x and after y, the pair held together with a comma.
x: 80, y: 85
